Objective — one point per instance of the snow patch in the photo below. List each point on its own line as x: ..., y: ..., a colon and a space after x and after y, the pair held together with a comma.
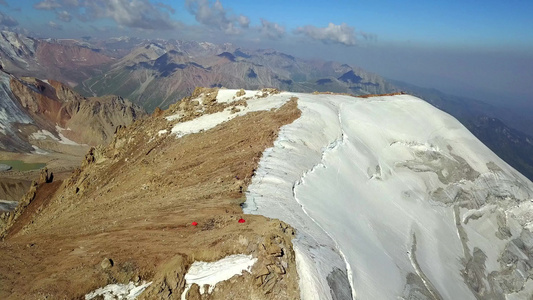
x: 128, y: 291
x: 43, y: 135
x: 211, y: 273
x: 230, y: 95
x: 209, y: 121
x: 173, y: 117
x: 63, y: 139
x: 37, y: 150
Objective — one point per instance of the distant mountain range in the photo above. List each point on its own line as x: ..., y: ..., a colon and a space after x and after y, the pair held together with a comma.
x: 158, y: 73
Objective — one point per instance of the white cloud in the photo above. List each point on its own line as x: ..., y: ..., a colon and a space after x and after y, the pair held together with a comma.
x: 64, y: 16
x: 339, y: 34
x: 47, y: 5
x: 244, y: 21
x: 272, y: 30
x: 54, y: 25
x: 134, y: 13
x: 215, y: 16
x: 141, y: 14
x: 71, y: 2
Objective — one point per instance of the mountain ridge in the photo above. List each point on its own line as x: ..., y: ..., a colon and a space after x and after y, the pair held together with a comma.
x: 205, y: 175
x: 219, y: 151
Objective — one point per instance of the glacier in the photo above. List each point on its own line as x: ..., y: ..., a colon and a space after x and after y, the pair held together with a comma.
x: 392, y: 198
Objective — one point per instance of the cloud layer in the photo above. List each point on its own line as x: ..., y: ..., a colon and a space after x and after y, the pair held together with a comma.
x: 214, y: 16
x: 64, y: 16
x: 338, y: 34
x: 213, y: 19
x: 272, y: 30
x: 141, y: 14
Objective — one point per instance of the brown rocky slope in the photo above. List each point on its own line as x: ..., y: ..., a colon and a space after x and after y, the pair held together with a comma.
x: 133, y: 202
x: 50, y: 104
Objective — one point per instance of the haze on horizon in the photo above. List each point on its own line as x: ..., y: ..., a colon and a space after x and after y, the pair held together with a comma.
x: 481, y: 50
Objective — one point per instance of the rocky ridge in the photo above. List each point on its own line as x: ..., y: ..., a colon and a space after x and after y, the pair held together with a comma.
x: 133, y: 202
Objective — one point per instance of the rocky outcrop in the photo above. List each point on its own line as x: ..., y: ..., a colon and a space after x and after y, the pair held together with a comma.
x: 8, y: 219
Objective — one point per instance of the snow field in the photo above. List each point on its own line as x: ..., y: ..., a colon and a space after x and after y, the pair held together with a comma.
x: 355, y: 178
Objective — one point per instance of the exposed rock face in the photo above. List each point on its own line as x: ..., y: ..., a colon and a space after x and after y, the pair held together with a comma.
x: 45, y: 176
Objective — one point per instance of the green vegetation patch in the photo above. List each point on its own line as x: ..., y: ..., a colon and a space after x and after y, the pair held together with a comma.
x: 19, y: 165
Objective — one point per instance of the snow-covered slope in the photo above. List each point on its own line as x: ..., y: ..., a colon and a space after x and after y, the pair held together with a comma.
x: 394, y: 199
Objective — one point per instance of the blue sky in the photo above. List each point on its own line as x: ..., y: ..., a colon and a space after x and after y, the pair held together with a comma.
x: 444, y: 23
x: 452, y: 45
